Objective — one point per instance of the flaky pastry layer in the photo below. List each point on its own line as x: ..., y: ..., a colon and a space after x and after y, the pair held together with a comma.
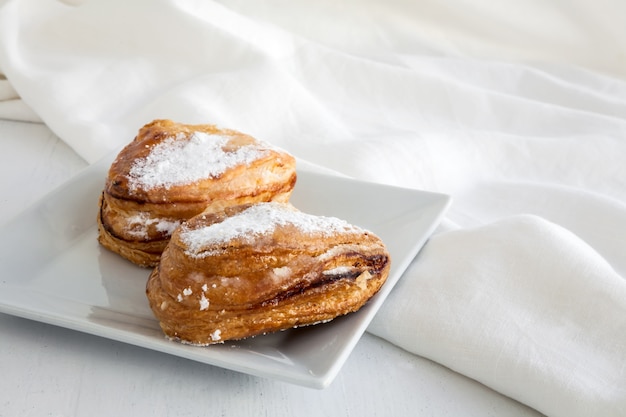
x: 171, y: 172
x: 260, y: 282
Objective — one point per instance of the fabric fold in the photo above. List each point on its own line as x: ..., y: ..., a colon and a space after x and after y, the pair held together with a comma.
x: 11, y: 106
x: 521, y: 305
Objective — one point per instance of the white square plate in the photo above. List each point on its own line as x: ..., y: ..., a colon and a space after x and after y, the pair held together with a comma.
x: 55, y: 272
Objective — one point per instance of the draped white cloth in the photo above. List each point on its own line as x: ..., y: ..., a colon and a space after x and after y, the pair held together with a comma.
x: 516, y: 109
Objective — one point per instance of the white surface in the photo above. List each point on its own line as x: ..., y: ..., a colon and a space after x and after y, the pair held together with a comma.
x: 516, y: 110
x: 52, y: 371
x: 56, y: 272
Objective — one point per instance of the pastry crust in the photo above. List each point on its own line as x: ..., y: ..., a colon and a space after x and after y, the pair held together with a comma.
x: 171, y: 172
x: 260, y: 268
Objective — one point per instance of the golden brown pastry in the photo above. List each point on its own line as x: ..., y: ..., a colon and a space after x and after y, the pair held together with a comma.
x: 260, y: 268
x: 170, y: 172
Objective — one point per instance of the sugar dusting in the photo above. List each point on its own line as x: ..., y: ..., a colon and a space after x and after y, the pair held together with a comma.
x: 216, y: 335
x: 138, y: 224
x: 177, y: 161
x: 204, y: 302
x: 258, y: 220
x: 340, y: 270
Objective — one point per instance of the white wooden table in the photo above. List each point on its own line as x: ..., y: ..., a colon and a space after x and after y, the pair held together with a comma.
x: 51, y: 371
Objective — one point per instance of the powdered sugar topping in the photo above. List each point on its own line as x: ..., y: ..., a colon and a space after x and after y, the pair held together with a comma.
x: 216, y: 335
x: 137, y: 225
x: 178, y: 161
x: 260, y: 219
x: 204, y: 302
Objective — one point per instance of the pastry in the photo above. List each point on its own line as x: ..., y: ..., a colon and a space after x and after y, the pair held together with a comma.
x: 260, y: 268
x: 171, y: 172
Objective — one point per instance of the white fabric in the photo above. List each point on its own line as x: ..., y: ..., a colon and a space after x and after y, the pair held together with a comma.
x: 516, y: 109
x: 11, y: 106
x: 520, y: 304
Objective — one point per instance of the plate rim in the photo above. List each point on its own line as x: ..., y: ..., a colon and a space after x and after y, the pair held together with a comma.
x: 319, y: 381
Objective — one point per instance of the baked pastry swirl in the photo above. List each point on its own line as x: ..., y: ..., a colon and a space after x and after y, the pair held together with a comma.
x: 261, y: 268
x: 171, y: 172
